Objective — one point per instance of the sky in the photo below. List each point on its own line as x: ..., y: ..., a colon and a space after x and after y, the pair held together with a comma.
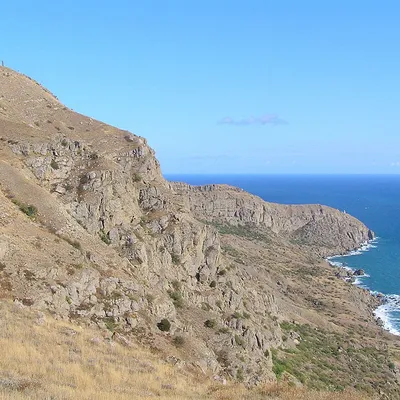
x: 255, y: 86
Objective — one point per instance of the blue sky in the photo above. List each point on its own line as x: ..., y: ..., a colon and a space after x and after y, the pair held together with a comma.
x: 269, y: 86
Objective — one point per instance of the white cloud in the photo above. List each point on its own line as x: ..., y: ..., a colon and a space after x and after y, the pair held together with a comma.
x: 265, y: 119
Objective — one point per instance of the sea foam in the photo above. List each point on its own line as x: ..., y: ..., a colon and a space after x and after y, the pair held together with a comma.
x: 390, y: 306
x: 391, y: 302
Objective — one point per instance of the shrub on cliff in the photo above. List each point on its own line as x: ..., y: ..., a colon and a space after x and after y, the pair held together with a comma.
x: 164, y: 325
x: 210, y: 323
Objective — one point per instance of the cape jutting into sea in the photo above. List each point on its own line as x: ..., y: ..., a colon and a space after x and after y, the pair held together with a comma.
x: 374, y: 199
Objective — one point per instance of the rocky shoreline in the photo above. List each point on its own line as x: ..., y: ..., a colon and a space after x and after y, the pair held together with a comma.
x: 351, y: 276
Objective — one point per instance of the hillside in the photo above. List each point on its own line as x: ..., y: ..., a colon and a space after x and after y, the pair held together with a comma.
x: 86, y: 363
x: 212, y: 279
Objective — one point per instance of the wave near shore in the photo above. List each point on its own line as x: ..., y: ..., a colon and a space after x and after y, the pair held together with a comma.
x: 388, y: 313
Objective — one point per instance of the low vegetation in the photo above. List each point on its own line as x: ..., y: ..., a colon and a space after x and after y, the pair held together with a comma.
x: 177, y: 298
x: 28, y: 209
x: 104, y: 237
x: 210, y: 323
x: 43, y: 358
x: 328, y: 361
x: 164, y: 325
x: 239, y: 230
x: 54, y: 164
x: 179, y: 341
x: 73, y: 242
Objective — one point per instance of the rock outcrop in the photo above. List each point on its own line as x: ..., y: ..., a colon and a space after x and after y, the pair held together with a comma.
x: 327, y: 230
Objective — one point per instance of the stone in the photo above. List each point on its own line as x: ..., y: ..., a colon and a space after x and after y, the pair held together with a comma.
x: 113, y: 235
x: 359, y: 272
x: 60, y: 189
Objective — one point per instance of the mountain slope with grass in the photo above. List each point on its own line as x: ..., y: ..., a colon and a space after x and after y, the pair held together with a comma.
x: 212, y: 279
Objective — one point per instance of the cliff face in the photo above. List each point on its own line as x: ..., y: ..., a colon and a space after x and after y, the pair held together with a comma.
x: 327, y: 230
x: 108, y: 241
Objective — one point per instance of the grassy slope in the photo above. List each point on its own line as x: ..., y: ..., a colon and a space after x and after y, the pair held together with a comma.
x: 44, y: 358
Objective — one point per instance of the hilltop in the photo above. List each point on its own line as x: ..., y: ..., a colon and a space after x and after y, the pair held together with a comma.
x: 213, y: 280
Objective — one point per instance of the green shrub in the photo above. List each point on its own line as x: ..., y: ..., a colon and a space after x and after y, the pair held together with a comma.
x: 136, y: 177
x: 213, y: 284
x: 54, y: 164
x: 222, y: 272
x: 110, y: 323
x: 104, y: 237
x: 239, y: 340
x: 179, y: 341
x: 206, y: 307
x: 210, y: 323
x: 177, y: 298
x: 73, y: 243
x: 239, y: 375
x: 278, y: 368
x: 76, y: 244
x: 164, y: 325
x: 175, y: 259
x: 176, y: 285
x: 115, y: 295
x: 84, y: 179
x: 237, y: 315
x: 28, y: 209
x: 149, y: 298
x: 287, y: 326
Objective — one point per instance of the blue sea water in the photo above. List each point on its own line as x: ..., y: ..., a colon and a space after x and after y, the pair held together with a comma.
x: 374, y: 199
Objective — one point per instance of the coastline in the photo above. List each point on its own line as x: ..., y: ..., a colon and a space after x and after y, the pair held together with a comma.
x: 388, y: 302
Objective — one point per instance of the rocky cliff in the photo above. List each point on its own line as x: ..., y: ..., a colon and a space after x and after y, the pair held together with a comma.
x: 327, y: 230
x: 91, y: 231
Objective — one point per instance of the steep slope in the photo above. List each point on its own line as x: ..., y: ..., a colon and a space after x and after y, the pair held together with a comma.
x: 92, y: 232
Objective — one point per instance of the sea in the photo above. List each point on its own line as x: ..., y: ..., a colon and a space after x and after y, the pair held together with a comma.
x: 374, y: 199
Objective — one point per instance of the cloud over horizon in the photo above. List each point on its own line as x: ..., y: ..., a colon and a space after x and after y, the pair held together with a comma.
x: 270, y: 119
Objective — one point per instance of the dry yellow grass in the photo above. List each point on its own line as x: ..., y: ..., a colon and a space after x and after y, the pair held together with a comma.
x: 44, y: 358
x: 281, y: 392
